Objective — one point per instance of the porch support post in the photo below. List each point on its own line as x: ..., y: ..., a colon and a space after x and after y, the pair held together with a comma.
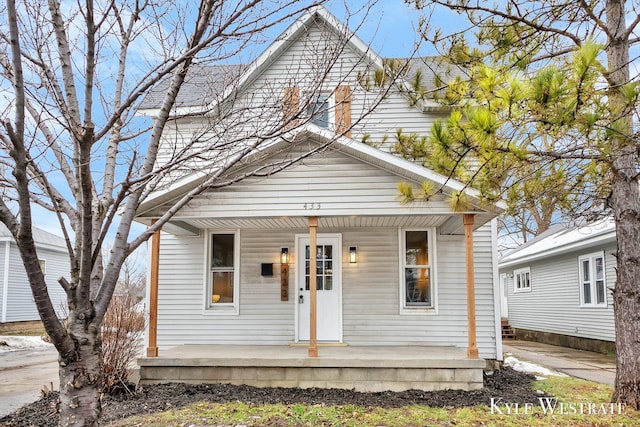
x: 313, y: 239
x: 472, y: 349
x: 152, y: 349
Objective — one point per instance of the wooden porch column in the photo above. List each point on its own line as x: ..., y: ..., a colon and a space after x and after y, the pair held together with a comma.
x: 152, y: 349
x: 472, y: 349
x: 313, y: 292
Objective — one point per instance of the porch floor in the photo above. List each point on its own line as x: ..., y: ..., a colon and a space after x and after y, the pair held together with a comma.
x: 363, y: 368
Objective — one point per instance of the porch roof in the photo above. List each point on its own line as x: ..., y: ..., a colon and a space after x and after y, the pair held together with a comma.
x: 447, y: 224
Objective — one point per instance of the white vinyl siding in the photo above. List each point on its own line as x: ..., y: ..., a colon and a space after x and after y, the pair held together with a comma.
x: 20, y: 303
x: 553, y: 305
x: 370, y: 293
x: 259, y: 107
x: 328, y: 183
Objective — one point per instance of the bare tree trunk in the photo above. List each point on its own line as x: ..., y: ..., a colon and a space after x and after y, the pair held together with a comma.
x: 80, y: 379
x: 625, y: 201
x: 626, y: 295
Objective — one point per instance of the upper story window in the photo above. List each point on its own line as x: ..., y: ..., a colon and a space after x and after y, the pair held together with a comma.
x: 592, y: 280
x: 318, y: 110
x: 222, y: 277
x: 522, y: 280
x: 417, y: 269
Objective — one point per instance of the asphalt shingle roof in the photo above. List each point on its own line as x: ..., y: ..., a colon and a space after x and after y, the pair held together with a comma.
x: 204, y: 83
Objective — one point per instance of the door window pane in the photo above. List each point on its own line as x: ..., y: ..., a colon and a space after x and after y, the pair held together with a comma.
x: 324, y: 267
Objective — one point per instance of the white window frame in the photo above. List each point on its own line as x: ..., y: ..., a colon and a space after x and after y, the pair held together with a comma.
x: 433, y: 262
x: 331, y: 110
x: 43, y: 265
x: 221, y: 308
x: 592, y: 279
x: 524, y: 274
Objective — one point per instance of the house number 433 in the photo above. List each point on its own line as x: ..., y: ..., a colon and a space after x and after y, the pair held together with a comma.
x: 312, y: 206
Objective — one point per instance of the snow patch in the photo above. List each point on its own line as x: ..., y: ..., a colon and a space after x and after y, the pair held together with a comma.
x: 531, y: 368
x: 11, y: 343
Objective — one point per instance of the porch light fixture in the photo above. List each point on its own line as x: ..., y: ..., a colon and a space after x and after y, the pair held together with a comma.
x: 284, y: 256
x: 353, y: 254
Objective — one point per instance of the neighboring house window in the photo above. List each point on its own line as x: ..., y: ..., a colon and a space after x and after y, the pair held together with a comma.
x: 318, y: 110
x: 43, y: 266
x: 522, y: 280
x: 417, y: 269
x: 592, y: 280
x: 222, y: 280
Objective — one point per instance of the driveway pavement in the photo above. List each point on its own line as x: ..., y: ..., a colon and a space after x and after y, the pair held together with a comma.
x: 23, y: 374
x: 577, y: 363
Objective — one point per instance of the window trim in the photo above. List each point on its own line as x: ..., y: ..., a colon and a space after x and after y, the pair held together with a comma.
x: 592, y: 285
x: 223, y: 308
x: 516, y: 273
x: 432, y: 255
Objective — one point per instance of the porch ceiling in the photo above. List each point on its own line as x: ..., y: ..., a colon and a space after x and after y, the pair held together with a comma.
x: 191, y: 225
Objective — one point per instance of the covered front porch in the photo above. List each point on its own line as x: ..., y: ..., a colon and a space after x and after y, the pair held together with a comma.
x: 363, y: 368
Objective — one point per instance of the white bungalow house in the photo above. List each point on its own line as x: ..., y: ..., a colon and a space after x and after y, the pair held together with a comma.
x: 406, y: 290
x: 16, y: 299
x: 557, y: 287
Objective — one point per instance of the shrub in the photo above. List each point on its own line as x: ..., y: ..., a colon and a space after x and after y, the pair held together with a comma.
x: 122, y: 332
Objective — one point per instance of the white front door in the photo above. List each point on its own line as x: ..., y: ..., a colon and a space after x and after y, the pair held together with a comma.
x: 329, y: 287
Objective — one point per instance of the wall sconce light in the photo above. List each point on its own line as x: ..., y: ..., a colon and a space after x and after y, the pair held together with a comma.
x: 284, y: 256
x: 353, y: 254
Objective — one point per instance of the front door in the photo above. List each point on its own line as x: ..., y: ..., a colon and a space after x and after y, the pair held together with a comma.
x: 328, y: 285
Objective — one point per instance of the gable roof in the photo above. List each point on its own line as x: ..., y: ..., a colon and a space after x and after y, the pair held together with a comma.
x: 399, y: 166
x: 204, y: 84
x: 40, y: 236
x: 245, y: 74
x: 562, y: 239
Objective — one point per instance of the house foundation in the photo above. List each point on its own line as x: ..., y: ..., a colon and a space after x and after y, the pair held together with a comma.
x: 366, y: 369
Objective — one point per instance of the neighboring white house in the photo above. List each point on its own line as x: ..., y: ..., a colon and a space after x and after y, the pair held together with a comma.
x: 389, y: 273
x: 558, y: 286
x: 16, y: 300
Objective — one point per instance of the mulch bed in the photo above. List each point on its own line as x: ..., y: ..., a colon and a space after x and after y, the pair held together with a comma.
x: 510, y: 385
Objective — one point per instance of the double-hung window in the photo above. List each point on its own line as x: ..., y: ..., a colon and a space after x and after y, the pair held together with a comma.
x: 592, y: 280
x: 222, y: 273
x: 417, y: 270
x: 522, y: 280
